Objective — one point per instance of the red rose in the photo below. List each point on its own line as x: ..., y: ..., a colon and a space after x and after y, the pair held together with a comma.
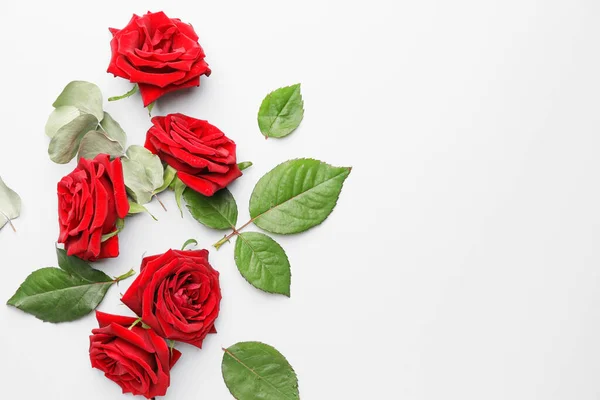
x: 90, y: 200
x: 159, y: 53
x: 203, y: 156
x: 177, y: 294
x: 135, y: 358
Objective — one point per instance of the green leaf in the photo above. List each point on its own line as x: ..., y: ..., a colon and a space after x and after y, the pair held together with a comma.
x: 179, y: 187
x: 254, y: 370
x: 96, y: 142
x: 10, y: 205
x: 281, y: 112
x: 53, y: 295
x: 133, y: 90
x: 244, y: 165
x: 188, y: 242
x: 113, y: 130
x: 59, y: 118
x: 263, y: 262
x: 142, y: 172
x: 150, y: 108
x: 168, y: 177
x: 65, y: 143
x: 135, y: 208
x: 84, y: 96
x: 218, y: 211
x: 296, y: 195
x: 78, y: 268
x: 120, y: 225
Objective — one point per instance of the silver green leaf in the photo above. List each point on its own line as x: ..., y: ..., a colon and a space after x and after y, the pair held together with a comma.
x: 218, y: 211
x: 59, y: 118
x: 65, y: 143
x: 10, y: 205
x: 179, y: 187
x: 113, y: 130
x: 263, y: 262
x: 168, y: 177
x: 296, y: 195
x: 96, y: 142
x: 281, y: 112
x: 254, y: 370
x: 143, y: 173
x: 135, y: 208
x: 85, y: 96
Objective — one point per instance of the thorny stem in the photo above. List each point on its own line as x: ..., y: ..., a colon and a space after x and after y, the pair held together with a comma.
x: 232, y: 234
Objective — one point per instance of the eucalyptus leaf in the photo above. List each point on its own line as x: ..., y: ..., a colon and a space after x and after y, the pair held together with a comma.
x: 142, y: 172
x: 96, y: 142
x: 84, y: 96
x: 218, y: 211
x: 10, y: 205
x: 59, y: 118
x: 263, y: 262
x: 135, y: 208
x: 54, y: 295
x: 65, y: 143
x: 296, y: 195
x: 281, y: 112
x: 254, y: 370
x: 113, y: 130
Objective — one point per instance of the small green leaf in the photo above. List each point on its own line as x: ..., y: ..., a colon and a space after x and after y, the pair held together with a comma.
x: 150, y: 108
x: 10, y: 205
x: 96, y: 142
x: 263, y: 262
x: 218, y: 211
x: 59, y: 118
x: 120, y: 226
x: 179, y: 187
x: 113, y: 130
x: 84, y: 96
x: 296, y: 195
x: 254, y: 370
x: 188, y: 242
x: 133, y: 91
x: 77, y: 267
x: 142, y: 172
x: 65, y: 143
x: 135, y: 208
x: 281, y: 112
x: 168, y: 177
x: 244, y: 165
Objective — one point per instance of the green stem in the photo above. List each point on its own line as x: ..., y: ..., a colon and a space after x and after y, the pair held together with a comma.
x: 133, y: 90
x: 232, y: 234
x: 137, y: 321
x: 188, y: 242
x: 126, y: 275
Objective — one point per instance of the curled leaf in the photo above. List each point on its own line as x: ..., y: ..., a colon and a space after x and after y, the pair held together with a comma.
x: 10, y: 205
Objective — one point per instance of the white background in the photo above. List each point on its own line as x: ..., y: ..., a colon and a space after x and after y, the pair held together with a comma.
x: 462, y: 259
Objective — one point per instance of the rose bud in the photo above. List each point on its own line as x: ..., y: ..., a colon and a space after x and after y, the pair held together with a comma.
x: 203, y: 156
x: 177, y: 294
x: 159, y: 53
x: 90, y: 200
x: 135, y: 358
